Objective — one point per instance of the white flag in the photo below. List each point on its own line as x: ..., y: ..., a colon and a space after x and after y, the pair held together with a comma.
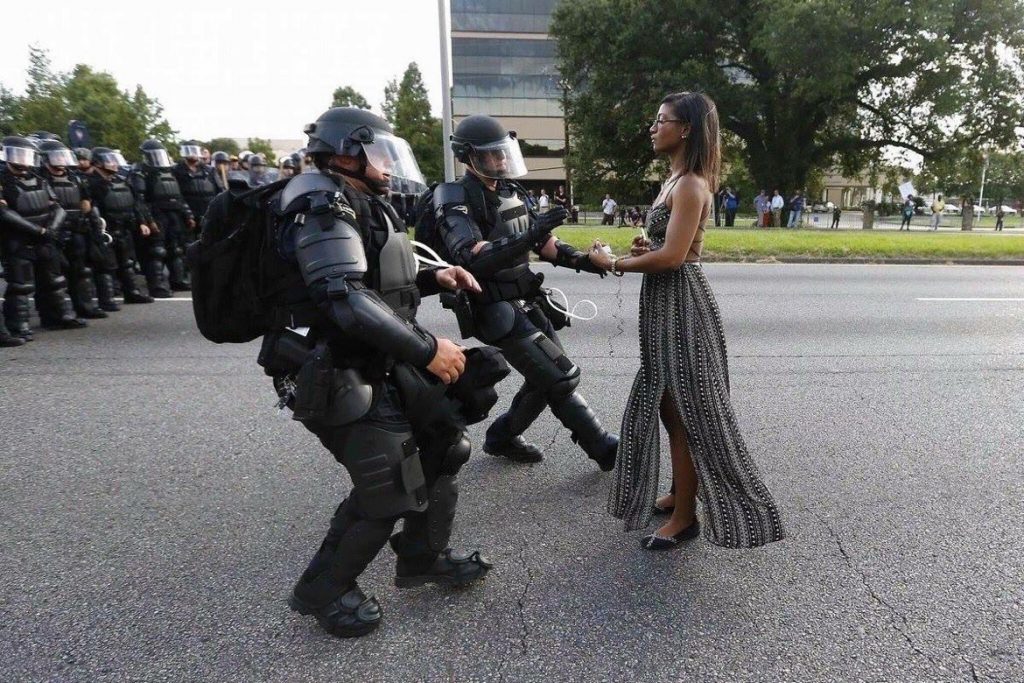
x: 907, y: 190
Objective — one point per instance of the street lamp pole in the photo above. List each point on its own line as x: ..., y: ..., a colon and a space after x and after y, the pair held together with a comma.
x: 565, y: 129
x: 446, y: 92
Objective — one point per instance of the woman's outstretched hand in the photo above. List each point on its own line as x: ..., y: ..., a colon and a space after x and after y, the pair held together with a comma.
x: 599, y: 257
x: 640, y: 246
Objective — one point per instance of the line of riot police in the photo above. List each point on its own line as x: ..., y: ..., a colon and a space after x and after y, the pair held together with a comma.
x: 79, y: 227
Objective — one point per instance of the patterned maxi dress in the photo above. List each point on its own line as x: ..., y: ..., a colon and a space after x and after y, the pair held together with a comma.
x: 682, y: 351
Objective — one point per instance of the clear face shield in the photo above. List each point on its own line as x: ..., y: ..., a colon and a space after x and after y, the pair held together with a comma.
x: 190, y: 152
x: 60, y: 158
x: 497, y: 160
x: 21, y: 156
x: 157, y: 158
x: 393, y: 155
x: 111, y: 161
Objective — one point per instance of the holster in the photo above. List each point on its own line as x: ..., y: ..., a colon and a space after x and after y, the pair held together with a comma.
x: 326, y: 395
x: 559, y: 320
x: 460, y: 303
x: 518, y: 282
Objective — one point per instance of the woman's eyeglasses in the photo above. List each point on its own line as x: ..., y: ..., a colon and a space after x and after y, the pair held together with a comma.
x: 661, y: 119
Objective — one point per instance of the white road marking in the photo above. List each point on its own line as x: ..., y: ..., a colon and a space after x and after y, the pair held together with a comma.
x: 975, y: 298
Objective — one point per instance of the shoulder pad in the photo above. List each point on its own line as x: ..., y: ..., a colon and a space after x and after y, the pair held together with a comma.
x: 449, y: 193
x: 306, y: 183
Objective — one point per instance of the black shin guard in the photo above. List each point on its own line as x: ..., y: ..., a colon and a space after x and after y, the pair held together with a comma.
x: 573, y: 412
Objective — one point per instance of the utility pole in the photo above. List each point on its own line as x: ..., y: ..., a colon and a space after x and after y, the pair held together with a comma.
x: 446, y: 91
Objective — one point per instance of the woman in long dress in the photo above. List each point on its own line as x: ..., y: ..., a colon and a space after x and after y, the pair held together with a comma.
x: 684, y: 376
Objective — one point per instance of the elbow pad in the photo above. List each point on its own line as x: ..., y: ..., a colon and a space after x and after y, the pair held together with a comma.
x: 457, y: 229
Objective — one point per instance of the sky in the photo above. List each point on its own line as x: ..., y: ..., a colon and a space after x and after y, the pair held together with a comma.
x: 236, y: 69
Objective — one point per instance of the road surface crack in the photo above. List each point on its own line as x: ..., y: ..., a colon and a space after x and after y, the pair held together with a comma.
x: 620, y: 321
x: 521, y: 604
x: 898, y: 617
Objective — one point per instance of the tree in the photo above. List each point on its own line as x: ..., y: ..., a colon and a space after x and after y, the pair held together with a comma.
x: 262, y: 146
x: 223, y: 145
x: 346, y: 96
x: 407, y: 107
x: 804, y: 85
x: 115, y: 118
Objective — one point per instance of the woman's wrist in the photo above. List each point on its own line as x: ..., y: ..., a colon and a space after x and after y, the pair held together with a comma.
x: 617, y: 263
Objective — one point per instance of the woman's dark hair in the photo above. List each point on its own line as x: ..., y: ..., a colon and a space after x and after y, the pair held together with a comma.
x: 703, y: 152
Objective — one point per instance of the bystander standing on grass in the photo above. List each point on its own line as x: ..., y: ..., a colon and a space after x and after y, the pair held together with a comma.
x: 938, y: 206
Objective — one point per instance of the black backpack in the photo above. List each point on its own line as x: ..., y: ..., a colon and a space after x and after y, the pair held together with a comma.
x: 225, y: 265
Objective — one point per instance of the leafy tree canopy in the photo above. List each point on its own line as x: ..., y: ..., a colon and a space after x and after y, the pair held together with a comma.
x: 346, y: 96
x: 262, y: 146
x: 223, y: 145
x: 407, y: 107
x: 804, y: 84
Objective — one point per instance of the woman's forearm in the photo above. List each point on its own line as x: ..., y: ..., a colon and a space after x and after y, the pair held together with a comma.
x: 656, y: 261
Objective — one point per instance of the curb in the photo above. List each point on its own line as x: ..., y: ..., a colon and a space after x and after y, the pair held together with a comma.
x: 868, y: 260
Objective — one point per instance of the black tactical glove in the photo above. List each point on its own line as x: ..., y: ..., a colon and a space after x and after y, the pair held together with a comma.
x: 545, y: 223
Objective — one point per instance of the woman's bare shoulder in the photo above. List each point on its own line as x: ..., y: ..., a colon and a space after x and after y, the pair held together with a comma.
x: 691, y: 188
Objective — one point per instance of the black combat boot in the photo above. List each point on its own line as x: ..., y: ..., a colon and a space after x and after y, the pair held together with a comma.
x: 349, y: 615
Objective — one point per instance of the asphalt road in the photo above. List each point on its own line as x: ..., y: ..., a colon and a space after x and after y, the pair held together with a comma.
x: 156, y: 508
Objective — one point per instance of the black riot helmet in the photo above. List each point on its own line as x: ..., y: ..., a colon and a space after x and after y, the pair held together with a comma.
x: 483, y: 144
x: 154, y: 155
x: 221, y: 158
x: 191, y: 150
x: 44, y: 135
x: 82, y: 153
x: 361, y: 134
x: 55, y: 154
x: 107, y: 159
x: 20, y: 153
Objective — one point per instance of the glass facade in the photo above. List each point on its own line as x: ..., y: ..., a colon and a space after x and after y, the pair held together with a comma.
x: 499, y: 75
x: 502, y: 16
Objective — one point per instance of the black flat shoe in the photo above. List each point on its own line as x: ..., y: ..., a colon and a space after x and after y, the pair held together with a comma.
x: 657, y: 542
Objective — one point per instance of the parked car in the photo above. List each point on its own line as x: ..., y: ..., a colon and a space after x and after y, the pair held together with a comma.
x: 952, y: 208
x: 822, y: 208
x: 1007, y: 210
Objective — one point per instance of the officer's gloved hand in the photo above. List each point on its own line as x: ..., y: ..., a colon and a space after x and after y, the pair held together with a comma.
x: 546, y: 222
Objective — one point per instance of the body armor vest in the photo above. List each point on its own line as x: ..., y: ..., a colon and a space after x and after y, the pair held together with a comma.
x: 31, y: 197
x: 69, y: 196
x: 196, y: 185
x: 389, y: 254
x: 162, y: 190
x: 119, y: 202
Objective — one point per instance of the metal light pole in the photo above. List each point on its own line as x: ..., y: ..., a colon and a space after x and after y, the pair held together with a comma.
x: 446, y: 91
x: 565, y: 127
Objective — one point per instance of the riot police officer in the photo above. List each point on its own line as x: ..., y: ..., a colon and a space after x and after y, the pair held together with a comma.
x: 195, y: 179
x: 81, y: 226
x: 287, y: 165
x: 6, y: 338
x: 370, y: 382
x: 32, y: 221
x: 125, y: 217
x: 221, y: 169
x: 486, y: 226
x: 170, y: 221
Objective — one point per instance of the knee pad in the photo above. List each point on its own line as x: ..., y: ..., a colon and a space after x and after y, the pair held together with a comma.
x: 541, y: 362
x: 85, y: 272
x: 387, y: 476
x: 456, y: 456
x: 20, y: 271
x: 158, y: 252
x: 564, y: 387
